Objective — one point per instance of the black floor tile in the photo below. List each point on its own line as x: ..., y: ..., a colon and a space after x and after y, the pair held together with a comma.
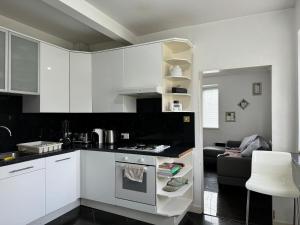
x: 224, y: 204
x: 189, y: 219
x: 230, y: 202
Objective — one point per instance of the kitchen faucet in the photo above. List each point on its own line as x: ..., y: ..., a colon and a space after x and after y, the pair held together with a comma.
x: 6, y: 128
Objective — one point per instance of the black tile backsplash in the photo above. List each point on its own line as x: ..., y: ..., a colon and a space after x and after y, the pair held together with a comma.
x: 155, y: 128
x: 10, y: 109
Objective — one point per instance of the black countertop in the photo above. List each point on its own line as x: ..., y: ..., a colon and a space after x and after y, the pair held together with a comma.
x: 173, y: 152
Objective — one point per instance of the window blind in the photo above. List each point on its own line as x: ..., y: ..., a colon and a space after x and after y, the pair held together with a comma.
x: 210, y: 107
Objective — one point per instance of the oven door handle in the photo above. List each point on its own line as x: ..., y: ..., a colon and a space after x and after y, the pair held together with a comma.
x: 122, y: 165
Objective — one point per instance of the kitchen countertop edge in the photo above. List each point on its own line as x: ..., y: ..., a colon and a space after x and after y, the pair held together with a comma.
x: 172, y: 152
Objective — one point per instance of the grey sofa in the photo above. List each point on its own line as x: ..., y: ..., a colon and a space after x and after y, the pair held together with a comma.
x: 210, y: 153
x: 233, y: 170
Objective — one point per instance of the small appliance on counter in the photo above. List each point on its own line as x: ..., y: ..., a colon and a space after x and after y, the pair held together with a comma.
x: 39, y: 147
x: 97, y: 136
x: 109, y: 137
x: 145, y: 148
x: 66, y: 134
x: 81, y: 138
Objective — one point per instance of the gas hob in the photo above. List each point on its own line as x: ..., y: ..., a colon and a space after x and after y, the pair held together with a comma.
x: 145, y: 148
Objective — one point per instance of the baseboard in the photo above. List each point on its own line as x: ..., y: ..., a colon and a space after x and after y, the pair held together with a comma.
x: 134, y: 214
x: 196, y: 209
x: 52, y: 216
x: 280, y: 223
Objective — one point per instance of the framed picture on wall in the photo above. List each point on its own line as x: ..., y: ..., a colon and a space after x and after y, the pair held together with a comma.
x: 257, y: 88
x: 230, y: 117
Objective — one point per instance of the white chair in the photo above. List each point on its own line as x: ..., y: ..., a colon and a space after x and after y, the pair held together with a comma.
x: 271, y: 174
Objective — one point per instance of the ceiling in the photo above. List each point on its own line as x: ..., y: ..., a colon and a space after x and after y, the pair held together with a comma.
x: 139, y: 16
x: 148, y: 16
x: 41, y: 16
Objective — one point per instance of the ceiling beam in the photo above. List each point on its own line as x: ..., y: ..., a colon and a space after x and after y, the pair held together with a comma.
x: 91, y: 16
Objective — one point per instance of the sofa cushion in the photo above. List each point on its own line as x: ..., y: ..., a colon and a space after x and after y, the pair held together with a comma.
x: 258, y: 144
x: 246, y: 141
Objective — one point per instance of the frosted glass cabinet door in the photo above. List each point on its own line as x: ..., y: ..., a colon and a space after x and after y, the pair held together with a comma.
x: 24, y: 65
x: 3, y: 60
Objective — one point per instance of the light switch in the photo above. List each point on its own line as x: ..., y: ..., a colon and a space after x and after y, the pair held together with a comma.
x: 186, y: 119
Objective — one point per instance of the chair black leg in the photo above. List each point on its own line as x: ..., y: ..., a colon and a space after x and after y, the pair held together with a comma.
x: 247, y: 207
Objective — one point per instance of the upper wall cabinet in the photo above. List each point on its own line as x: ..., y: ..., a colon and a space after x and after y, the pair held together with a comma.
x: 23, y: 65
x: 3, y: 60
x: 143, y: 66
x: 54, y: 94
x: 107, y: 70
x: 54, y: 82
x: 81, y: 82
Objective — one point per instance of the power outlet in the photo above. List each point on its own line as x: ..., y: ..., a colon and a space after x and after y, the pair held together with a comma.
x: 186, y: 119
x: 125, y: 136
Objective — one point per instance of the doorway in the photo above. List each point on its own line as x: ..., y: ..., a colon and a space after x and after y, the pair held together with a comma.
x: 236, y: 103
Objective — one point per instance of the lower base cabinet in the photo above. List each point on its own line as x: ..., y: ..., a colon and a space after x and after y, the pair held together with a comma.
x: 62, y: 180
x: 98, y: 176
x: 22, y: 198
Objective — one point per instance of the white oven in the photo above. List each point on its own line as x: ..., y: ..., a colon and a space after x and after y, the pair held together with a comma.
x: 141, y: 192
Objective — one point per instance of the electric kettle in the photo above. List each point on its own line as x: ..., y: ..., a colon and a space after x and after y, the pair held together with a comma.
x: 97, y: 136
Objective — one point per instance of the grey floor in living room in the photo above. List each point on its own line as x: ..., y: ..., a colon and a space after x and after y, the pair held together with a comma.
x: 229, y: 202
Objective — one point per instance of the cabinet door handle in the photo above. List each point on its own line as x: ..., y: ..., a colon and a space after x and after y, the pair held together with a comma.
x: 59, y: 160
x: 19, y: 170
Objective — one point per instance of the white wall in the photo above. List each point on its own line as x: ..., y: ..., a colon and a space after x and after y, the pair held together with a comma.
x: 297, y: 14
x: 265, y: 39
x: 234, y: 86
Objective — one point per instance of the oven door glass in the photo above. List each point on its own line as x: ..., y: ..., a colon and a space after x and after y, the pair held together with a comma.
x: 142, y: 192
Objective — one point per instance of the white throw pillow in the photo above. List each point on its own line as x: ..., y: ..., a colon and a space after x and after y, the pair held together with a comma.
x: 258, y: 144
x: 246, y: 141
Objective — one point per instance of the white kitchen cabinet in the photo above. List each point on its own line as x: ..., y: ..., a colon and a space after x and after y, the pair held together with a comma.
x: 107, y: 79
x: 23, y: 64
x: 54, y: 82
x: 22, y: 193
x: 98, y: 176
x: 80, y: 82
x: 3, y: 59
x: 62, y: 180
x: 54, y: 75
x: 143, y: 65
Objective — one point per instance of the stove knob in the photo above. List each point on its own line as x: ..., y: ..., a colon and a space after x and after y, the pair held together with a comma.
x: 141, y: 160
x: 125, y: 158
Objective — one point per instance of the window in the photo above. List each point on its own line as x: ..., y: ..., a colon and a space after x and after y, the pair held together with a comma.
x: 210, y: 106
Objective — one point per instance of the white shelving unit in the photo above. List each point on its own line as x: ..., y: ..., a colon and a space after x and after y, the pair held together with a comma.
x: 185, y: 170
x: 179, y: 61
x: 179, y: 94
x: 175, y: 206
x: 177, y: 202
x: 178, y: 193
x: 178, y: 78
x: 177, y: 52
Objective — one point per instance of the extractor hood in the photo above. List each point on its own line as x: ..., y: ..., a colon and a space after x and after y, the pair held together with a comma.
x: 145, y: 92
